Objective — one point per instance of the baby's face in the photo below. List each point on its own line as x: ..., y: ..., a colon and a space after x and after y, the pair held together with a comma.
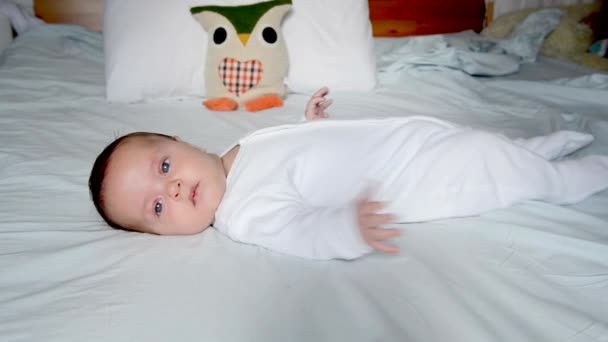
x: 161, y: 186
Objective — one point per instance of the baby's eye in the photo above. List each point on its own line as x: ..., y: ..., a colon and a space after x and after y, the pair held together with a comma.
x: 158, y: 208
x: 165, y: 166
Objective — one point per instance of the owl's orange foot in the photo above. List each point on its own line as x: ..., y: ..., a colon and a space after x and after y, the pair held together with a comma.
x: 222, y: 104
x: 263, y: 102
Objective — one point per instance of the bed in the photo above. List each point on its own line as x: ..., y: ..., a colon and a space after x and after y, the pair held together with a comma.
x: 533, y: 272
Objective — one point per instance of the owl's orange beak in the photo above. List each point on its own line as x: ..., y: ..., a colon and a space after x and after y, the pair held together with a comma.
x: 244, y: 37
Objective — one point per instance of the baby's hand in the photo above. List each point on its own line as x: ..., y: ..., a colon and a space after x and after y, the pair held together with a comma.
x: 315, y: 109
x: 370, y: 222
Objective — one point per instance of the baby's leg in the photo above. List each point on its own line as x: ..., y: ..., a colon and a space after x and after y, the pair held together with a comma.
x: 557, y: 144
x: 517, y: 175
x: 573, y: 180
x: 472, y: 172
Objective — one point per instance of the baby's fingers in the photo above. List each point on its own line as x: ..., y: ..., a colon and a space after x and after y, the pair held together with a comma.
x: 384, y: 247
x: 369, y: 207
x: 375, y: 220
x: 315, y: 102
x: 321, y: 92
x: 378, y: 236
x: 325, y: 104
x: 381, y: 234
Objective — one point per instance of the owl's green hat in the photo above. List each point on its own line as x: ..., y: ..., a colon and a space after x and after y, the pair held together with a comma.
x: 243, y: 17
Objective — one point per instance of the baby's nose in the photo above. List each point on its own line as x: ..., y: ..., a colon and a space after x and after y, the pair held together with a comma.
x: 174, y: 189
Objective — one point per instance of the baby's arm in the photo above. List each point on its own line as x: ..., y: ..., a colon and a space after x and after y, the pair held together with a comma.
x: 315, y: 109
x: 290, y: 226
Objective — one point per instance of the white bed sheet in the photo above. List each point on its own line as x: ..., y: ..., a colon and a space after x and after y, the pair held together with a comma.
x: 534, y: 272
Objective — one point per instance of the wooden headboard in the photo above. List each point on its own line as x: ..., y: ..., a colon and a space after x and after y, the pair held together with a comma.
x: 389, y: 17
x: 417, y: 17
x: 87, y: 13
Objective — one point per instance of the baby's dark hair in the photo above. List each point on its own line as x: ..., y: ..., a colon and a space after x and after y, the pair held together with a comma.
x: 98, y: 173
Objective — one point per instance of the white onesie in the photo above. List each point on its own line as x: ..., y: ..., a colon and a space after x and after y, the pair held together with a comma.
x: 293, y: 188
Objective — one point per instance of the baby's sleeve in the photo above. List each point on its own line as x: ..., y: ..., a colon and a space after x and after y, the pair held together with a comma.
x: 308, y: 232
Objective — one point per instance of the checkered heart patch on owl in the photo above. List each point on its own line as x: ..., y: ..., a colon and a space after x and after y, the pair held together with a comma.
x: 238, y: 77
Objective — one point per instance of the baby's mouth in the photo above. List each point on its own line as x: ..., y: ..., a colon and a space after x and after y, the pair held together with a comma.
x: 194, y: 194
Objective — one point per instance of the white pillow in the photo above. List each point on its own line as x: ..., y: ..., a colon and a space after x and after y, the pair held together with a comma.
x: 155, y: 49
x: 330, y: 43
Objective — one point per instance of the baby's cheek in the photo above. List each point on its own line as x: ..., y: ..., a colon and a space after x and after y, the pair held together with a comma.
x: 189, y: 221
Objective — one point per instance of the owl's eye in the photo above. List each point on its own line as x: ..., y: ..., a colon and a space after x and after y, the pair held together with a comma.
x: 219, y: 35
x: 270, y: 35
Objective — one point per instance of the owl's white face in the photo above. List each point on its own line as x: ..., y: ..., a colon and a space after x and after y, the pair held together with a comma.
x: 265, y: 35
x: 260, y: 56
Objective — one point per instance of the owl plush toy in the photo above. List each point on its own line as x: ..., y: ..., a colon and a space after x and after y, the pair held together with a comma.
x: 246, y: 58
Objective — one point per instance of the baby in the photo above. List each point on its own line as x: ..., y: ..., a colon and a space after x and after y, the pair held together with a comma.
x: 326, y: 189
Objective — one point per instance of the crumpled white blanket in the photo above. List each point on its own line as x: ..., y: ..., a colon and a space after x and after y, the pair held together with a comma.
x: 527, y: 38
x: 436, y: 51
x: 475, y: 55
x: 20, y: 18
